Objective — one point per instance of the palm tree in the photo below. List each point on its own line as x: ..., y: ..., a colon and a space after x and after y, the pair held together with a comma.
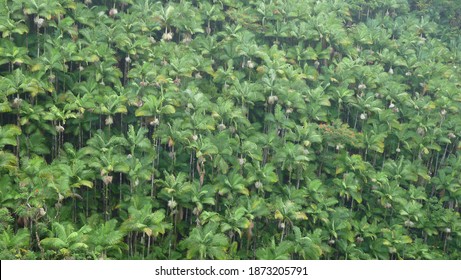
x: 211, y: 13
x: 293, y: 158
x: 106, y: 241
x: 111, y: 104
x: 232, y: 184
x: 13, y: 55
x: 8, y: 135
x: 236, y: 221
x: 8, y: 161
x: 200, y: 196
x: 272, y: 251
x: 247, y: 94
x: 14, y: 245
x: 141, y: 219
x: 205, y: 243
x: 307, y: 247
x: 65, y: 242
x: 449, y: 186
x: 165, y: 16
x: 11, y: 24
x: 176, y: 191
x: 286, y: 212
x: 264, y: 177
x: 108, y: 159
x: 154, y: 107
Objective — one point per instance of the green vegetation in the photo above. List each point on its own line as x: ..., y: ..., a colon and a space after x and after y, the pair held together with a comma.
x: 270, y: 129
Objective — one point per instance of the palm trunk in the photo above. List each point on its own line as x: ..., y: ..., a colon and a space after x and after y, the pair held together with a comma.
x: 298, y: 179
x: 148, y: 246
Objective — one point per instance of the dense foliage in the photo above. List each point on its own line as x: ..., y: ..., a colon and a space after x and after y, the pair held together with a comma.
x: 270, y: 129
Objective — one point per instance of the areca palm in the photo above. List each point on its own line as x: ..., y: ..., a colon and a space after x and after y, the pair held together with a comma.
x: 137, y: 140
x: 12, y: 54
x: 177, y: 192
x: 17, y: 83
x: 373, y: 141
x: 263, y: 176
x: 396, y: 246
x: 65, y: 242
x: 10, y: 24
x: 183, y: 66
x: 231, y: 184
x: 140, y: 170
x: 43, y: 8
x: 449, y: 187
x: 12, y: 244
x: 308, y: 247
x: 293, y: 158
x: 109, y: 159
x: 80, y: 175
x: 204, y: 149
x: 165, y: 16
x: 110, y: 105
x: 402, y: 170
x: 286, y: 212
x: 192, y: 23
x: 154, y: 107
x: 8, y: 135
x: 275, y: 251
x: 236, y: 221
x: 106, y: 241
x: 56, y: 53
x: 365, y: 231
x: 339, y: 229
x: 206, y: 243
x: 317, y: 100
x: 247, y: 94
x: 58, y: 118
x: 212, y: 13
x: 8, y: 161
x: 322, y: 203
x: 201, y: 196
x: 301, y: 54
x: 141, y: 219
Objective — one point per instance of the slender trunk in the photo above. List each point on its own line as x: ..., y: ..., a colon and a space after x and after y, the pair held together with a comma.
x: 129, y: 245
x: 42, y: 252
x: 355, y: 122
x: 18, y: 146
x: 87, y: 203
x: 143, y: 238
x: 298, y: 179
x: 120, y: 180
x: 444, y: 154
x: 38, y: 42
x: 436, y: 164
x: 445, y: 245
x: 289, y: 176
x: 281, y: 237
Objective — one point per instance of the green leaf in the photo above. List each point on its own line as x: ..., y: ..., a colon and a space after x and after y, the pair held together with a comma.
x: 53, y: 243
x: 85, y: 183
x: 8, y: 161
x: 168, y: 109
x: 8, y: 135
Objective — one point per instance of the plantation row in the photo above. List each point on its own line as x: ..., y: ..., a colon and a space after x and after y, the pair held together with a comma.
x: 272, y: 129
